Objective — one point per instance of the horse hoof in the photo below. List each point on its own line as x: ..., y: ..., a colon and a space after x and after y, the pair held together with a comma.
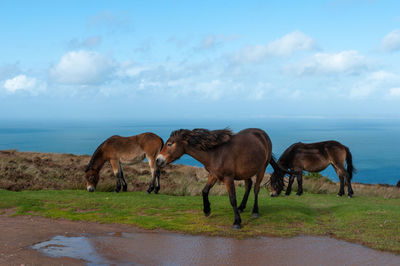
x: 339, y: 195
x: 255, y: 215
x: 236, y: 227
x: 206, y: 214
x: 349, y: 196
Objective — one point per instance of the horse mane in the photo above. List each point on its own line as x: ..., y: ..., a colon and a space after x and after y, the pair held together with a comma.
x: 204, y: 139
x: 96, y: 153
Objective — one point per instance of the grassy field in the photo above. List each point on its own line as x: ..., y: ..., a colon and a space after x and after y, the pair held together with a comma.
x: 371, y: 221
x: 53, y: 185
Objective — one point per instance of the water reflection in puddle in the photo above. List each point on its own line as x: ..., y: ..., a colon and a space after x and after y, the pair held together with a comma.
x: 79, y: 247
x: 160, y: 248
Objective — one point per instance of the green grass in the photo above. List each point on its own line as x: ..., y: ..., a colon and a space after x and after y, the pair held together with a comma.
x: 372, y: 221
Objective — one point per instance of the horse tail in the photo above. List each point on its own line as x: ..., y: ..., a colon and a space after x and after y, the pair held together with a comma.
x: 95, y: 155
x: 349, y: 161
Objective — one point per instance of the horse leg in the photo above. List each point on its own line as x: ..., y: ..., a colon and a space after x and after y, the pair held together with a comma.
x: 230, y: 186
x: 340, y: 176
x: 289, y: 187
x: 206, y: 203
x: 347, y: 181
x: 341, y: 189
x: 153, y: 174
x: 122, y: 177
x: 259, y: 178
x: 299, y: 184
x: 158, y: 173
x: 248, y: 183
x: 350, y: 189
x: 115, y: 167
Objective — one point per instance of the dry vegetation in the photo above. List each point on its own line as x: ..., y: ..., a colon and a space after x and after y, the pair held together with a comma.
x: 35, y: 171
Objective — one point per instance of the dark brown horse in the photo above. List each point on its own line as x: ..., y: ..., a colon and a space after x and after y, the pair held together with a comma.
x: 117, y: 150
x: 227, y: 157
x: 313, y: 157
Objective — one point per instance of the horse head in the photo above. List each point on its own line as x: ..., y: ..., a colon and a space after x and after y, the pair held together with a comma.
x: 277, y: 183
x: 92, y: 178
x: 173, y: 149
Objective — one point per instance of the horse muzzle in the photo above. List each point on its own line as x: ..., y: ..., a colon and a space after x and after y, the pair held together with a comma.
x: 160, y: 161
x: 273, y: 194
x: 90, y: 188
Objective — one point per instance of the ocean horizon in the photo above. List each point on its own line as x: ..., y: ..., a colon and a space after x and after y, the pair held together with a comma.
x: 373, y: 143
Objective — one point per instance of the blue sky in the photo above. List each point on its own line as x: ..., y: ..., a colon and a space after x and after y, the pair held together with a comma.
x: 203, y: 59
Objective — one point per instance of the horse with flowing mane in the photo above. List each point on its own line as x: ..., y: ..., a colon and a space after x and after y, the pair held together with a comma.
x: 313, y: 157
x: 227, y: 157
x: 117, y: 150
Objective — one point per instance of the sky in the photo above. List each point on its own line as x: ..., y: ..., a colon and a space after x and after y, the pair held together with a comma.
x: 199, y: 59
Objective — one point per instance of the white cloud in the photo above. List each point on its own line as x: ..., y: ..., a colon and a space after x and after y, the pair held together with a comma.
x: 82, y: 68
x: 22, y: 83
x: 89, y: 42
x: 9, y: 70
x: 391, y: 42
x: 285, y: 46
x: 378, y: 84
x: 350, y: 62
x: 213, y: 89
x: 212, y: 41
x: 395, y: 92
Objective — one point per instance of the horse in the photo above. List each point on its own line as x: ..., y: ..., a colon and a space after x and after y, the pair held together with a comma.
x: 117, y: 150
x: 226, y: 157
x: 313, y: 157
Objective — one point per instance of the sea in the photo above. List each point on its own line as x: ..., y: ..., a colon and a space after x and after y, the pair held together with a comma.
x: 374, y: 143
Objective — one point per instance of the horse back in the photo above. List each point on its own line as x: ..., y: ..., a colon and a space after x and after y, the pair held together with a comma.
x: 247, y: 153
x: 132, y: 148
x: 150, y: 142
x: 313, y: 157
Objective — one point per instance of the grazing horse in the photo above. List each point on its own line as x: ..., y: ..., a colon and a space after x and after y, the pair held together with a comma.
x: 117, y: 150
x: 227, y: 157
x: 313, y: 157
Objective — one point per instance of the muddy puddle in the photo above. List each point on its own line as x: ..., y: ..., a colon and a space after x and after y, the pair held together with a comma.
x: 148, y: 248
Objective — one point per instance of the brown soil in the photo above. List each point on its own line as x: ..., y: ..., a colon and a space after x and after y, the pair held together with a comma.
x: 35, y: 171
x: 127, y: 245
x: 18, y: 234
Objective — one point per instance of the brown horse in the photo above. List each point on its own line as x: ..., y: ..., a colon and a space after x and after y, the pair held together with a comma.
x: 313, y: 157
x: 117, y: 150
x: 227, y: 157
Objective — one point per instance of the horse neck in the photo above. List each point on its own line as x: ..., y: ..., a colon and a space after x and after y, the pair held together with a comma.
x: 199, y: 155
x: 98, y: 163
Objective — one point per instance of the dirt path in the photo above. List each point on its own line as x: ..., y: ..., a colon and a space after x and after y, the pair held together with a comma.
x: 126, y: 245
